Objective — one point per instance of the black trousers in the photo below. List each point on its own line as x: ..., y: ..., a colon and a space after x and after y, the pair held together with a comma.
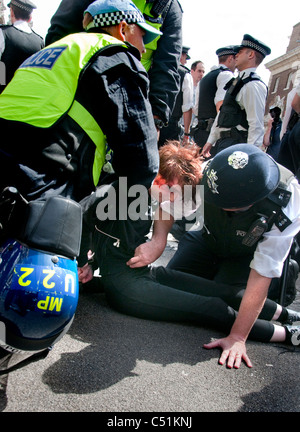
x: 166, y: 294
x: 221, y: 277
x: 174, y: 131
x: 200, y: 137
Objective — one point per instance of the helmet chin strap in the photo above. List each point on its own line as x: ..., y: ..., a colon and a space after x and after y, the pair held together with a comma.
x: 40, y: 355
x: 32, y: 358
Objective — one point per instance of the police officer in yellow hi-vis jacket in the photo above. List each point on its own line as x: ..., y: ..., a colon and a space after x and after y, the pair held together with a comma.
x: 76, y: 100
x: 162, y: 56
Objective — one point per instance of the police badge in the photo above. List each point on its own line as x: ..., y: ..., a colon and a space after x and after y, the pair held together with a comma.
x: 211, y: 180
x: 238, y: 160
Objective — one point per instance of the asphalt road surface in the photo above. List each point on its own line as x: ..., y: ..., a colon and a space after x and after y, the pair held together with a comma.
x: 111, y: 363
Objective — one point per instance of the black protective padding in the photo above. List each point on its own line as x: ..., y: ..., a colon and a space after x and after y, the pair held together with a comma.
x: 54, y: 225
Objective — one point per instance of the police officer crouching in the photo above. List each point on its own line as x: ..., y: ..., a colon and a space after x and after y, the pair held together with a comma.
x: 251, y: 216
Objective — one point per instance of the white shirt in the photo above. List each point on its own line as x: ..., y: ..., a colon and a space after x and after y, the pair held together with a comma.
x: 271, y: 252
x: 188, y: 92
x: 222, y: 80
x: 20, y: 25
x: 251, y: 98
x: 196, y: 99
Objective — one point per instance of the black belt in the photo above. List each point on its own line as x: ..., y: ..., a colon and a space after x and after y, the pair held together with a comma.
x: 234, y: 133
x: 205, y: 124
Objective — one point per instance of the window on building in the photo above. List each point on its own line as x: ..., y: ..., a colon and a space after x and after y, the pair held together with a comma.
x: 289, y: 81
x: 276, y: 84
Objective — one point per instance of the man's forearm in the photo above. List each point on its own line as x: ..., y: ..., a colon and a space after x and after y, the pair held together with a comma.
x: 251, y: 305
x: 187, y: 119
x: 162, y: 226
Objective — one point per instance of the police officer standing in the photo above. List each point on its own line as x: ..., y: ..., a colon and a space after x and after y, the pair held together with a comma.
x: 241, y: 118
x: 183, y: 108
x: 210, y: 93
x: 18, y: 41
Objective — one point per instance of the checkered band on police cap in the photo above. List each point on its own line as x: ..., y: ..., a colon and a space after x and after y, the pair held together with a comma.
x: 114, y: 18
x: 26, y: 5
x: 254, y: 46
x: 252, y: 43
x: 226, y: 52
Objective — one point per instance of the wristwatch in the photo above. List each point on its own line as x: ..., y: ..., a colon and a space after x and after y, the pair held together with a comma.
x: 158, y: 123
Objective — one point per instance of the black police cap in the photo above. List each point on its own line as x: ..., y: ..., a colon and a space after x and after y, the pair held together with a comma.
x: 228, y: 50
x: 27, y: 5
x: 250, y: 42
x: 185, y: 50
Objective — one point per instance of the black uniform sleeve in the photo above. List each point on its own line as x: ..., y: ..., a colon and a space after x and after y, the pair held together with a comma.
x: 163, y: 74
x: 66, y: 20
x: 115, y: 91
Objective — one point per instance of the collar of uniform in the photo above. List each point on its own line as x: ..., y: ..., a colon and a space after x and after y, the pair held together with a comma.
x: 133, y: 50
x: 22, y: 25
x: 222, y: 66
x: 246, y: 72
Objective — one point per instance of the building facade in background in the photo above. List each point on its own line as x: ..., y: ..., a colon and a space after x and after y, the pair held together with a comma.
x: 285, y: 73
x: 2, y: 9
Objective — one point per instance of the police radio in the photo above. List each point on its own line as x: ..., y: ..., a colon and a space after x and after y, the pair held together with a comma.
x: 257, y: 229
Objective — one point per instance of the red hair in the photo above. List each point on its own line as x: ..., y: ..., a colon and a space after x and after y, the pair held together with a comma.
x: 182, y: 162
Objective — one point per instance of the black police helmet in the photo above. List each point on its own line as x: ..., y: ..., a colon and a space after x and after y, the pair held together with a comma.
x: 239, y: 176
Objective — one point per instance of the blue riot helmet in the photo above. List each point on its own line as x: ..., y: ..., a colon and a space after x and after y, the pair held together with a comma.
x: 38, y: 277
x: 38, y: 297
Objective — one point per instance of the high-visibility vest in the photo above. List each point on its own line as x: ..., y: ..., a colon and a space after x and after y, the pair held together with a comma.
x: 145, y: 8
x: 44, y: 87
